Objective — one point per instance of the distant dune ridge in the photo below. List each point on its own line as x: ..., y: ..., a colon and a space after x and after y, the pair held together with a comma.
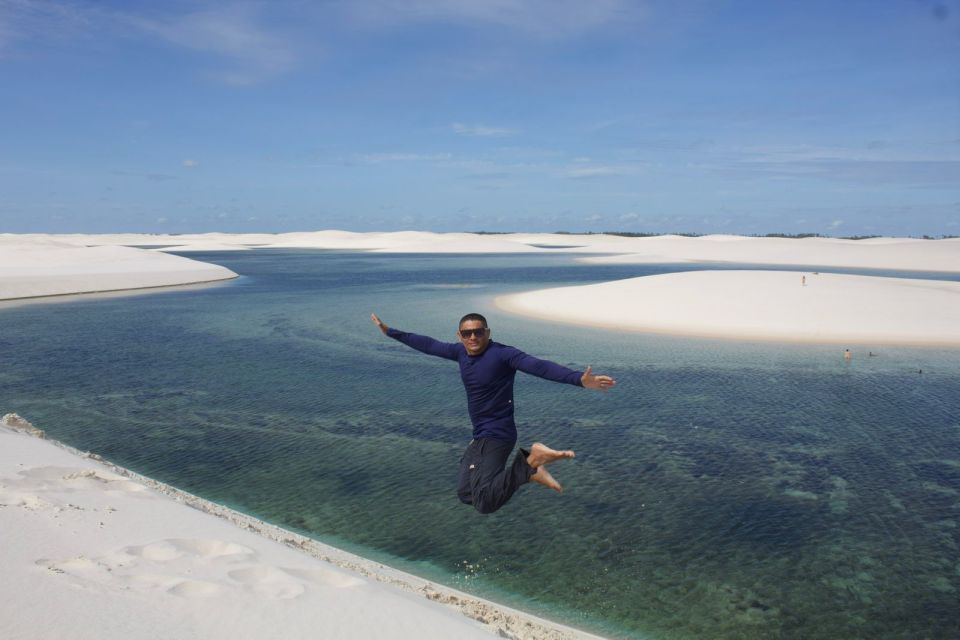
x: 783, y: 305
x: 872, y: 253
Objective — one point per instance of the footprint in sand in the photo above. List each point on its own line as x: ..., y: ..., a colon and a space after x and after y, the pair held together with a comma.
x: 189, y: 548
x: 269, y: 582
x: 47, y: 480
x: 23, y: 500
x: 49, y: 488
x: 96, y: 574
x: 195, y: 568
x: 174, y: 585
x: 331, y: 577
x: 85, y: 478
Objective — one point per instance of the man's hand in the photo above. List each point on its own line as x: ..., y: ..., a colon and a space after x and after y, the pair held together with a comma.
x: 591, y: 381
x: 379, y: 323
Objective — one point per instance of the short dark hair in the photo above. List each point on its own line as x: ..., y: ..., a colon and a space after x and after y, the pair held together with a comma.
x: 473, y: 316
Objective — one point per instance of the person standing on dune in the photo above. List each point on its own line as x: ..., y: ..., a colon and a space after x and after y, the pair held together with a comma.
x: 487, y: 369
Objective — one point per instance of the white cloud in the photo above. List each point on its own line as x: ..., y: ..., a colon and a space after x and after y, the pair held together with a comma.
x: 543, y: 18
x: 189, y: 164
x: 380, y: 158
x: 481, y: 130
x: 235, y: 33
x: 33, y: 20
x: 920, y: 173
x: 875, y: 151
x: 585, y: 170
x: 836, y: 224
x: 231, y: 32
x: 591, y: 172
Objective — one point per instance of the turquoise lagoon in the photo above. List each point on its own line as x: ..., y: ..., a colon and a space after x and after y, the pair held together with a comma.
x: 724, y: 489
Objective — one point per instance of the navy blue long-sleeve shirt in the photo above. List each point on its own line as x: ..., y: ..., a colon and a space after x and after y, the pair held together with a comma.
x: 488, y: 379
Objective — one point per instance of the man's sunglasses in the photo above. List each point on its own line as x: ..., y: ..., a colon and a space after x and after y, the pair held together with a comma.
x: 469, y: 333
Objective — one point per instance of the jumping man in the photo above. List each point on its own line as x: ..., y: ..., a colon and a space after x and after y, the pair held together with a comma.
x: 487, y: 369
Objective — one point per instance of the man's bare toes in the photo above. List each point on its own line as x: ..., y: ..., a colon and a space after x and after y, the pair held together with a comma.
x: 541, y: 454
x: 542, y: 476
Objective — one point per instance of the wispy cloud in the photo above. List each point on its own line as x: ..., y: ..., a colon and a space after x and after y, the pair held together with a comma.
x: 481, y: 131
x: 234, y: 33
x: 500, y: 167
x: 381, y: 158
x: 875, y: 163
x: 581, y: 173
x: 249, y: 51
x: 872, y: 151
x: 152, y: 176
x: 543, y: 18
x: 40, y: 20
x: 586, y: 170
x: 920, y: 173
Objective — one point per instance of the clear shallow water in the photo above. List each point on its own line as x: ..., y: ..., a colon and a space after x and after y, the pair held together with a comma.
x: 723, y: 490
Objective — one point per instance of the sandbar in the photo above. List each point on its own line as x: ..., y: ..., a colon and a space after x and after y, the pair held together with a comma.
x: 785, y: 306
x: 40, y: 267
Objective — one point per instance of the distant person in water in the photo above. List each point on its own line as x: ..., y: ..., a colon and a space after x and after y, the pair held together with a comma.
x: 488, y: 369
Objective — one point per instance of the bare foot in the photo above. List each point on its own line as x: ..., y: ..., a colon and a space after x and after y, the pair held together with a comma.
x: 542, y: 476
x: 541, y: 454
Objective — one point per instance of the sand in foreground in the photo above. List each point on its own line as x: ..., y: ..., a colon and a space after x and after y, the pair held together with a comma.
x: 91, y: 551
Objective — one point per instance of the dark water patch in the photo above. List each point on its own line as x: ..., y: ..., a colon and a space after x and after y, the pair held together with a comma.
x: 945, y: 473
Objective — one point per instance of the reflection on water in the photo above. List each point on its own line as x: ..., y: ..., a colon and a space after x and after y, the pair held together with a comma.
x: 722, y: 490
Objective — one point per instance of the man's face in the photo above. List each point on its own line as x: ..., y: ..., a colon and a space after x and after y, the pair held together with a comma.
x: 474, y: 336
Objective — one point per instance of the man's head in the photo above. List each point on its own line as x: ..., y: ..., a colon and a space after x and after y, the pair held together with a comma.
x: 473, y: 333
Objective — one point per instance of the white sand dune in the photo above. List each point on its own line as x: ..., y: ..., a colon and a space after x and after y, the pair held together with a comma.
x: 202, y: 247
x: 92, y: 551
x: 873, y: 253
x: 459, y: 243
x: 144, y: 239
x: 738, y: 304
x: 774, y: 305
x: 47, y: 267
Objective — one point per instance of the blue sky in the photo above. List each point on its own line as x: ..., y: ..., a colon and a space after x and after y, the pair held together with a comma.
x: 840, y: 118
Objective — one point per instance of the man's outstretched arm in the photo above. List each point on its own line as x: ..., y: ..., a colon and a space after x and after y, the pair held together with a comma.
x: 558, y: 373
x: 423, y: 344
